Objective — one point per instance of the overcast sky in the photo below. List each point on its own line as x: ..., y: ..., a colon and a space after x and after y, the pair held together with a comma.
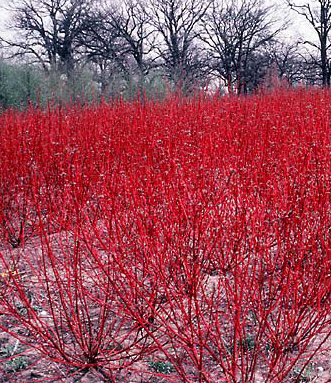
x: 298, y: 26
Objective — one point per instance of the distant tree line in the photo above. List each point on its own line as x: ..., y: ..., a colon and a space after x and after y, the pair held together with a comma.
x: 70, y: 48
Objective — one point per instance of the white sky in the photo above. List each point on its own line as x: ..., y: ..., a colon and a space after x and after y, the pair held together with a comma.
x: 298, y: 26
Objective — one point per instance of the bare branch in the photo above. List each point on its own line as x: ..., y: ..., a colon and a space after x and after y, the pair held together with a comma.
x: 49, y: 30
x: 318, y: 14
x: 235, y: 34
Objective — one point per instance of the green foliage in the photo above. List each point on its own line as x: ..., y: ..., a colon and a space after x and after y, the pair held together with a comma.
x: 24, y: 84
x: 162, y: 367
x: 303, y: 375
x: 16, y: 364
x: 13, y: 364
x: 19, y: 85
x: 60, y: 88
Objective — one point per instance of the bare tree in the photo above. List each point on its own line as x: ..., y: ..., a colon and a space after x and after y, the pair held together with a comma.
x: 119, y: 38
x: 103, y: 48
x: 288, y: 60
x: 318, y: 14
x: 133, y: 25
x: 49, y: 30
x: 176, y: 24
x: 234, y: 33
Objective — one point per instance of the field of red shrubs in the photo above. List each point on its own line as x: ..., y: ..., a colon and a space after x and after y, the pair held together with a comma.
x: 187, y: 240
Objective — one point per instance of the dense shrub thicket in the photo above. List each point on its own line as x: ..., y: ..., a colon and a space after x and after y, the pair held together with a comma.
x: 183, y: 241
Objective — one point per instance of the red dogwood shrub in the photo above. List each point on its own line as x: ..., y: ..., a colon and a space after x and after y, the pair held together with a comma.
x: 186, y: 240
